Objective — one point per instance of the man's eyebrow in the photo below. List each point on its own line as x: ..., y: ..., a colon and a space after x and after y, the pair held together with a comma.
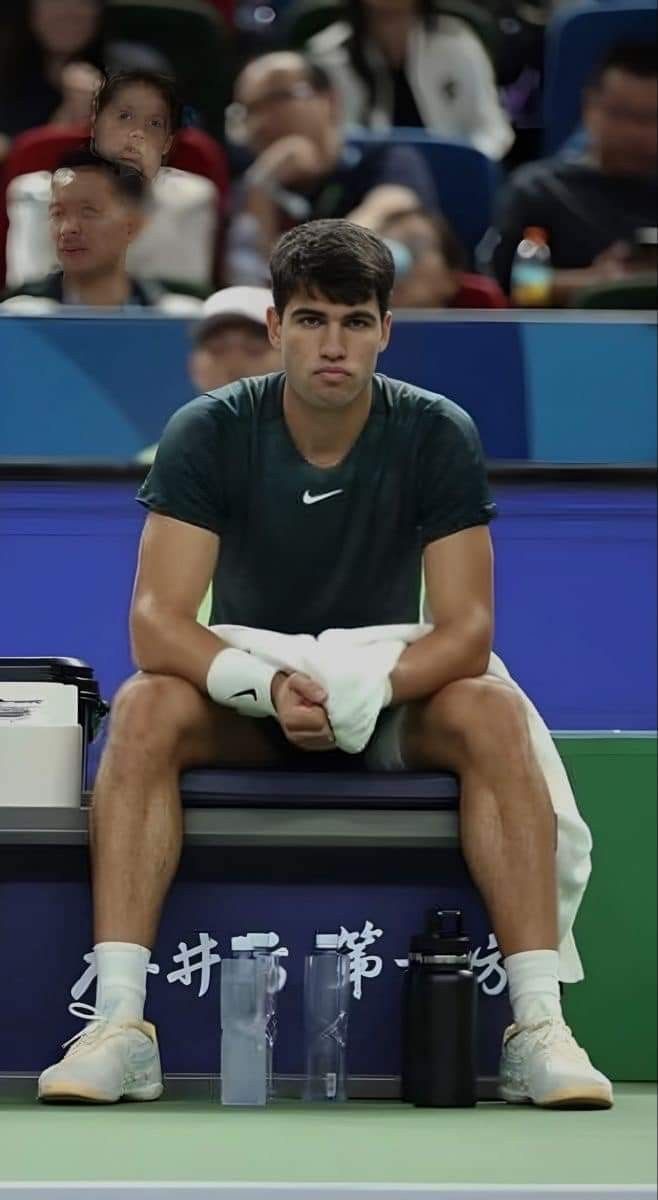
x: 361, y: 313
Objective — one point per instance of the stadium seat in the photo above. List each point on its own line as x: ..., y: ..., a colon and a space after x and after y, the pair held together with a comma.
x: 577, y: 38
x: 193, y: 38
x: 639, y: 293
x: 478, y: 291
x: 465, y: 179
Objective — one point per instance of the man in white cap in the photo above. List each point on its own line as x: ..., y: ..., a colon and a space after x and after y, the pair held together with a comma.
x: 231, y: 340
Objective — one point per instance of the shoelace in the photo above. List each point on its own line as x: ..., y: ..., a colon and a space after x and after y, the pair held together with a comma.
x: 94, y: 1019
x: 557, y: 1033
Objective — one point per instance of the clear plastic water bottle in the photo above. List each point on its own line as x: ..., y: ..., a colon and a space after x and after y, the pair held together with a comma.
x: 244, y: 1044
x: 532, y: 274
x: 326, y: 1009
x: 262, y: 945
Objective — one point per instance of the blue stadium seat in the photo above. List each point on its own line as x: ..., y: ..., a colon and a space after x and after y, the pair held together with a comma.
x: 577, y: 38
x: 465, y: 179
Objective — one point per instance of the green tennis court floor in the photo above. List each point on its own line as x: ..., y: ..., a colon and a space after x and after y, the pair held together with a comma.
x: 360, y: 1142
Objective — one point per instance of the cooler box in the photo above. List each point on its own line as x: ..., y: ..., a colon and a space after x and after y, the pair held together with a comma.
x: 50, y: 711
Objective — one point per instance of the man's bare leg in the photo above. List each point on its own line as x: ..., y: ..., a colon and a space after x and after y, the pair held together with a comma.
x: 478, y: 728
x: 159, y: 726
x: 508, y: 833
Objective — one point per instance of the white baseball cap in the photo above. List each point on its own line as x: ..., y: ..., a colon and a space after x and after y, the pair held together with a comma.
x: 248, y: 303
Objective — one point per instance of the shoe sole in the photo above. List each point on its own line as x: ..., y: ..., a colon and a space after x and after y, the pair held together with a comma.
x: 594, y: 1097
x: 71, y: 1095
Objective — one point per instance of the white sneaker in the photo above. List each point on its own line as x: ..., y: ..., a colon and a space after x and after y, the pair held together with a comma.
x: 106, y: 1062
x: 543, y: 1064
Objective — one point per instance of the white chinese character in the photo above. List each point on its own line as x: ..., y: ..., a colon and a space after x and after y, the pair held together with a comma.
x: 362, y: 966
x: 205, y: 960
x: 280, y: 952
x: 87, y: 978
x: 490, y: 963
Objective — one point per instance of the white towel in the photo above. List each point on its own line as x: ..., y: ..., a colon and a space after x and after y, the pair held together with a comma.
x: 354, y: 664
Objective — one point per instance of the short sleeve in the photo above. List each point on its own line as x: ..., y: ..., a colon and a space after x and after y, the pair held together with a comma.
x: 185, y: 481
x: 454, y: 489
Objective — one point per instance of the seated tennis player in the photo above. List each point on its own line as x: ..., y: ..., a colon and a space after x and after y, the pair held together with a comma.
x: 317, y: 498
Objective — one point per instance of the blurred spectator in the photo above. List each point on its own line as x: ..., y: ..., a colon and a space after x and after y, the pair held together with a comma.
x: 135, y: 118
x: 431, y: 264
x: 230, y: 342
x: 401, y: 63
x: 50, y: 55
x: 288, y: 115
x: 97, y: 209
x: 592, y: 204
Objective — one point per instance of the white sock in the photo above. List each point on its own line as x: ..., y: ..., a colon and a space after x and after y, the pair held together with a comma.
x: 534, y: 988
x: 121, y: 980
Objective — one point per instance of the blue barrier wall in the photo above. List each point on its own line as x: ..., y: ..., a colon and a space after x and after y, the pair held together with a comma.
x: 575, y: 586
x: 544, y: 387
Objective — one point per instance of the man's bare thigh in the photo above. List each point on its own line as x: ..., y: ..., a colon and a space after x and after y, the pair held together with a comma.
x: 210, y: 734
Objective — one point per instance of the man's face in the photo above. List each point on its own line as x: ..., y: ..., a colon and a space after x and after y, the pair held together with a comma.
x: 91, y: 225
x: 329, y: 351
x: 390, y: 22
x: 620, y: 116
x: 134, y: 128
x: 234, y: 350
x: 279, y: 101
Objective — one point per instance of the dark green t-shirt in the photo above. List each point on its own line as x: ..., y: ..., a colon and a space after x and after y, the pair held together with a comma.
x: 306, y: 548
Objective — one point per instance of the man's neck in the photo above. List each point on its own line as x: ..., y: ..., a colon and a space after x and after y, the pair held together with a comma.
x: 325, y: 437
x: 109, y: 290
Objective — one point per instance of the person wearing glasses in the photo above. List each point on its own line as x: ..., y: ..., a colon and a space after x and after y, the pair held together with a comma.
x: 287, y: 116
x: 598, y: 206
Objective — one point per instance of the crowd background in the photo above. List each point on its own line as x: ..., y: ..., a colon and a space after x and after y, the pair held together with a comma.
x: 152, y: 151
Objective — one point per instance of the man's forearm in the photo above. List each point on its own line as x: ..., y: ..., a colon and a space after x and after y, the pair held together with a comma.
x: 163, y: 644
x: 440, y: 658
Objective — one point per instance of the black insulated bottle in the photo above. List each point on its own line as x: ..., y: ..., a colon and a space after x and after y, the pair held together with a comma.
x: 439, y: 1017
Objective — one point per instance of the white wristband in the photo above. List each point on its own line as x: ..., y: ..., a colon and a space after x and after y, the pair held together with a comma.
x: 242, y: 681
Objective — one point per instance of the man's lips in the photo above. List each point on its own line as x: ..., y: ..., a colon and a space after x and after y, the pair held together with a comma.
x: 331, y: 371
x: 72, y: 249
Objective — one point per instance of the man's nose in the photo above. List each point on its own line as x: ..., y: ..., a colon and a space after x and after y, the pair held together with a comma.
x: 332, y: 345
x: 69, y: 225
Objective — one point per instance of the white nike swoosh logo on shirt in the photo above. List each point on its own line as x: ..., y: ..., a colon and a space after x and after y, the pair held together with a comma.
x: 309, y: 499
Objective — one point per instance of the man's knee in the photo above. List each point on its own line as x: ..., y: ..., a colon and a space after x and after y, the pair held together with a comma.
x: 482, y: 716
x: 153, y: 710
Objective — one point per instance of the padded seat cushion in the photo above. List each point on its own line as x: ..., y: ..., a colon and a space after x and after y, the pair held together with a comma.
x: 216, y: 788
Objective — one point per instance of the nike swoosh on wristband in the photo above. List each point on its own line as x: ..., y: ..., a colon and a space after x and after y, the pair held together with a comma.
x: 309, y: 499
x: 246, y: 692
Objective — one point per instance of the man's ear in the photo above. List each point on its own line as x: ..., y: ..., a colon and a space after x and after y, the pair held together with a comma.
x: 387, y: 321
x: 274, y: 328
x: 167, y: 147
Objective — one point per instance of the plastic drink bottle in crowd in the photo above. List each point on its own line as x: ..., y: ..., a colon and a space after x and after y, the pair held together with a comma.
x: 262, y: 945
x: 439, y: 1017
x: 532, y: 274
x: 243, y: 1016
x: 326, y: 1010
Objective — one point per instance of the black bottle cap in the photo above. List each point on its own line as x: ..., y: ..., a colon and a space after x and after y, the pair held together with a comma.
x: 443, y: 934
